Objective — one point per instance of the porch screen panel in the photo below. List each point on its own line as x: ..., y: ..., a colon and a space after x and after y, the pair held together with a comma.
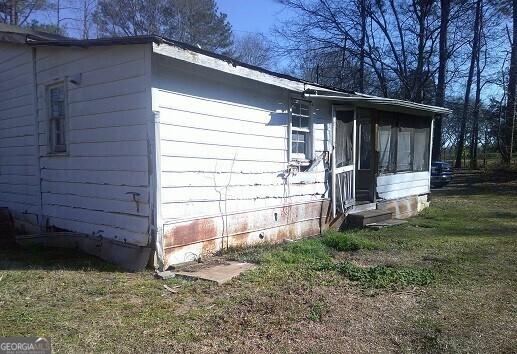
x: 344, y: 138
x: 421, y: 148
x: 365, y: 130
x: 384, y: 148
x: 404, y: 149
x: 403, y: 143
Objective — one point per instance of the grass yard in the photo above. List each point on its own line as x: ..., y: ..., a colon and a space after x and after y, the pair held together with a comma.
x: 444, y: 282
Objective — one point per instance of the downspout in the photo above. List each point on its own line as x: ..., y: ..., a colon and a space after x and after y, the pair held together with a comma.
x: 333, y: 163
x: 155, y: 224
x: 36, y: 136
x: 430, y: 153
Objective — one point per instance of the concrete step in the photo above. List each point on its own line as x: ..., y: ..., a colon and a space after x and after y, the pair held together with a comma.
x: 386, y: 223
x: 363, y: 218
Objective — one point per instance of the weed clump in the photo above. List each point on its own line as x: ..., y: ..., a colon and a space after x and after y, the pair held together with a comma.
x: 347, y: 242
x: 380, y: 277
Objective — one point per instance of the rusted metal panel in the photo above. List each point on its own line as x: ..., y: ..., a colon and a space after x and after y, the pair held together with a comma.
x: 190, y: 239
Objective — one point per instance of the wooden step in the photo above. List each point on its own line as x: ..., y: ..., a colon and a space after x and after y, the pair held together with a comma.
x: 363, y: 218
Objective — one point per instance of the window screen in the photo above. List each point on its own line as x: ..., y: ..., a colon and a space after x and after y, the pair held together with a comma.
x: 300, y: 129
x: 57, y: 114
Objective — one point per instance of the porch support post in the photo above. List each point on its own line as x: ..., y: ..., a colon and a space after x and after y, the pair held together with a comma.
x: 354, y: 155
x: 333, y: 163
x: 430, y: 153
x: 374, y: 165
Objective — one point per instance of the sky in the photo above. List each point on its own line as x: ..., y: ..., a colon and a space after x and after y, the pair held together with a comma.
x: 252, y: 15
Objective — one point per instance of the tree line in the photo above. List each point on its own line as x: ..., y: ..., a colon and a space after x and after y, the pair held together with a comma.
x: 461, y: 54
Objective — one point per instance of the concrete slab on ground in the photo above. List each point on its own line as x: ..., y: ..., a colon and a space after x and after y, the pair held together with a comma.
x: 218, y: 273
x: 386, y: 223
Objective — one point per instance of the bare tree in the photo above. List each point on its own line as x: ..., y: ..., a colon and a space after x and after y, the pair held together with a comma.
x: 445, y: 9
x: 508, y: 132
x: 474, y: 140
x: 19, y: 12
x: 468, y: 87
x: 254, y: 49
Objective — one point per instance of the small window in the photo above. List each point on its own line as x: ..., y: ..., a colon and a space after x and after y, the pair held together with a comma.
x: 300, y: 130
x: 57, y: 118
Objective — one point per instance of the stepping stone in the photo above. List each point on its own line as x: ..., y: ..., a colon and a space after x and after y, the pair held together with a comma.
x: 219, y: 273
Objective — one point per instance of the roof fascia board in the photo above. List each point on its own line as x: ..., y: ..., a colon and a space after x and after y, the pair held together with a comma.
x: 227, y: 67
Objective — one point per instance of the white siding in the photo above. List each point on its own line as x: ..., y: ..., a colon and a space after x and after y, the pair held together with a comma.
x: 19, y: 183
x: 400, y: 185
x: 88, y: 189
x: 224, y: 143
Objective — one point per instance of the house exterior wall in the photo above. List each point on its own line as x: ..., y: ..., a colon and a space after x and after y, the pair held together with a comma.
x: 90, y: 189
x: 224, y: 162
x: 100, y: 186
x: 19, y: 173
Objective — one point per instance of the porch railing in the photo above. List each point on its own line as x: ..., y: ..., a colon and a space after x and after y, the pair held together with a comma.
x: 345, y: 190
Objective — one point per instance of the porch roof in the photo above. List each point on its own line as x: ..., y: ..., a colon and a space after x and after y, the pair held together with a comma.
x: 388, y: 104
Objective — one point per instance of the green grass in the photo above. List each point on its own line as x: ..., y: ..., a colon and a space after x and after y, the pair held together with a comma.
x: 444, y: 282
x: 342, y: 242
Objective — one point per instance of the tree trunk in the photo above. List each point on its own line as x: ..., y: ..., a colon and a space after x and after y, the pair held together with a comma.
x: 474, y: 139
x: 445, y: 11
x: 510, y: 105
x: 13, y: 20
x: 362, y: 44
x: 419, y: 72
x: 466, y: 104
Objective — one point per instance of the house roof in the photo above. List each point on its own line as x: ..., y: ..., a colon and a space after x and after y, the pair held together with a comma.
x: 199, y: 56
x: 17, y: 34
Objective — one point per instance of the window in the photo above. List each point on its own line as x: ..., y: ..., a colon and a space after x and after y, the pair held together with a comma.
x: 300, y: 130
x: 403, y: 144
x: 57, y: 117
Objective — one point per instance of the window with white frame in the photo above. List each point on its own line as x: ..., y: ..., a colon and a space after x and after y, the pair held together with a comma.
x: 57, y: 118
x: 300, y: 130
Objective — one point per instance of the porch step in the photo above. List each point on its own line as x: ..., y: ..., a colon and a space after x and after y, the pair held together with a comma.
x: 386, y: 223
x: 363, y: 218
x: 363, y: 206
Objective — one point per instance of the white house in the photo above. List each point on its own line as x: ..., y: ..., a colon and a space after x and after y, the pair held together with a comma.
x: 148, y: 145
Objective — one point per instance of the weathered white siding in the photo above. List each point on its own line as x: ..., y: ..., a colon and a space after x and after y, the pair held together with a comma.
x: 400, y: 185
x: 224, y: 150
x: 224, y: 140
x: 89, y: 189
x: 19, y: 181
